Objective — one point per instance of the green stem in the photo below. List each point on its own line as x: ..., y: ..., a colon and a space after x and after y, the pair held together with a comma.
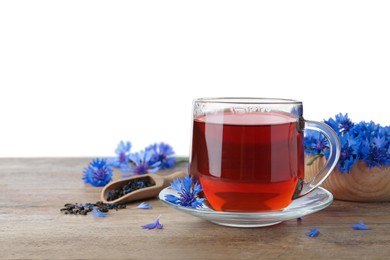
x: 182, y: 159
x: 315, y: 157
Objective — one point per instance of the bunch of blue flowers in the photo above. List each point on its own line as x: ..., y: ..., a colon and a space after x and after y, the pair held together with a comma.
x: 365, y: 141
x: 153, y: 158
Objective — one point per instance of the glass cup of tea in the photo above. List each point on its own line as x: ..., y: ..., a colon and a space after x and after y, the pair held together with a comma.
x: 248, y: 153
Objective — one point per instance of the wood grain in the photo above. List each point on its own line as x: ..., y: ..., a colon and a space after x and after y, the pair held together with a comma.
x: 32, y: 227
x: 361, y: 184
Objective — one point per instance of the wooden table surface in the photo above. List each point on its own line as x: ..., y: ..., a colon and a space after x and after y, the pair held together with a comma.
x: 31, y: 225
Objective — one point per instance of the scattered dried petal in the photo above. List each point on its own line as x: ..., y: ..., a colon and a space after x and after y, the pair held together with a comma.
x: 360, y: 226
x: 98, y: 213
x: 144, y: 205
x: 155, y: 224
x: 313, y: 233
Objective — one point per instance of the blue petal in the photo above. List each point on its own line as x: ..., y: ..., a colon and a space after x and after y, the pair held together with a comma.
x: 187, y: 183
x: 332, y: 123
x: 165, y: 149
x: 144, y: 205
x: 197, y: 188
x: 169, y: 163
x: 123, y: 147
x: 159, y: 226
x: 153, y: 170
x: 197, y: 203
x: 313, y: 233
x: 114, y: 162
x: 150, y: 225
x: 171, y: 198
x: 98, y: 213
x: 147, y: 155
x: 125, y: 168
x: 379, y: 142
x: 176, y: 185
x: 155, y: 224
x: 360, y: 226
x: 135, y: 158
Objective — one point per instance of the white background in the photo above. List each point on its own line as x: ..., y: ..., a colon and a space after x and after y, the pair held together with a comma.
x: 76, y: 77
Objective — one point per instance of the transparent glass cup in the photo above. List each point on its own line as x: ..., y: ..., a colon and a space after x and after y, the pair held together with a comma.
x: 248, y: 153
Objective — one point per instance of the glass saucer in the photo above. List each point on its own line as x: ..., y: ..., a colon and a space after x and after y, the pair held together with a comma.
x: 315, y: 201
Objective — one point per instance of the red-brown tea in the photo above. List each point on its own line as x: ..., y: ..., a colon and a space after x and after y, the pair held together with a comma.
x: 247, y: 161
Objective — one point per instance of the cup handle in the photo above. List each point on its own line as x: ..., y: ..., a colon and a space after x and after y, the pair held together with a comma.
x: 334, y: 154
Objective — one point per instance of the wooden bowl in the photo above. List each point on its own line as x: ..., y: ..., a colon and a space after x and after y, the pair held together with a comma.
x: 360, y: 184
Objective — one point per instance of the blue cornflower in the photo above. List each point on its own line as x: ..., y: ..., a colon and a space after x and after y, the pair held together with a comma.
x: 188, y: 193
x: 143, y: 162
x: 144, y: 205
x: 379, y: 142
x: 162, y: 154
x: 345, y: 124
x: 375, y: 153
x: 315, y: 142
x: 365, y: 130
x: 349, y: 153
x: 313, y: 233
x: 374, y: 149
x: 155, y: 224
x: 98, y: 173
x: 385, y: 131
x: 341, y: 125
x: 122, y: 161
x: 360, y: 226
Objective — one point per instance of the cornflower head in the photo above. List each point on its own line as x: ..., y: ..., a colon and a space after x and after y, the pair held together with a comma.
x: 315, y: 143
x: 123, y: 157
x: 98, y: 173
x: 349, y: 153
x: 143, y: 163
x: 375, y: 153
x: 341, y: 124
x: 163, y: 154
x: 188, y: 193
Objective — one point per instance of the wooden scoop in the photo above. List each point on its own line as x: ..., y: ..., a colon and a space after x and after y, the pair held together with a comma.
x: 159, y: 182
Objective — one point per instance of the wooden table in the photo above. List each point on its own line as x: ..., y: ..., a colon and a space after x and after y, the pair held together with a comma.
x: 31, y: 225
